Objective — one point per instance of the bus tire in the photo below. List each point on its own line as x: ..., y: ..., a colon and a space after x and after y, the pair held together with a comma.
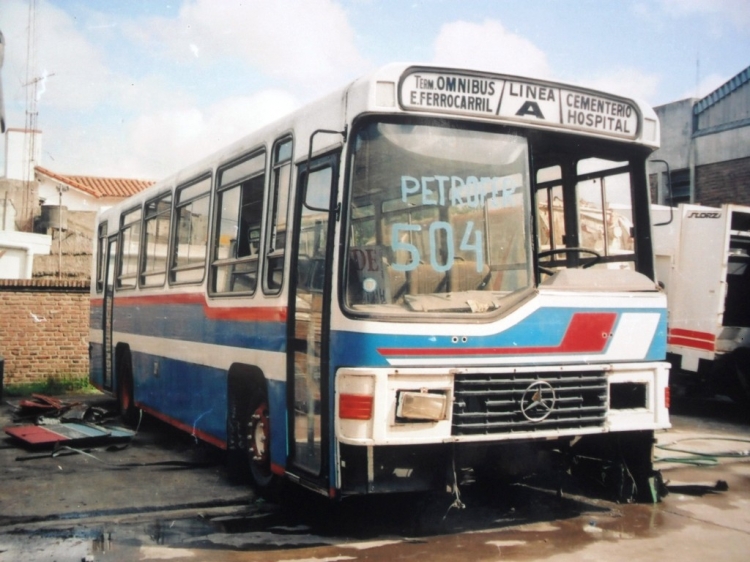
x: 258, y: 441
x: 125, y: 400
x: 249, y: 440
x: 622, y: 462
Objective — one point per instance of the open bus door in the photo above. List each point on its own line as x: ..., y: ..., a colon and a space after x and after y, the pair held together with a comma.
x: 309, y: 325
x: 108, y: 305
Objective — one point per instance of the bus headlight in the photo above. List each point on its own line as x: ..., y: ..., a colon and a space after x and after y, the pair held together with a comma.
x: 422, y: 406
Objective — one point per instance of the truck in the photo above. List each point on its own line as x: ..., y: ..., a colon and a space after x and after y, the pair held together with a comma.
x: 703, y: 261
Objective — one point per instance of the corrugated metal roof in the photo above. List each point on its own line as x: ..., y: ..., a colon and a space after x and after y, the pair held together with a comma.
x: 722, y: 91
x: 99, y: 187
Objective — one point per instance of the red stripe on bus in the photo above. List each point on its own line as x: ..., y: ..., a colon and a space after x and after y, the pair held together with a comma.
x: 679, y: 332
x: 240, y: 314
x: 278, y: 469
x: 588, y: 332
x: 695, y: 344
x: 257, y: 314
x: 202, y: 435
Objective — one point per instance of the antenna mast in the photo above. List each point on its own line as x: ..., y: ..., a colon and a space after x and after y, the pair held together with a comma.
x: 31, y: 118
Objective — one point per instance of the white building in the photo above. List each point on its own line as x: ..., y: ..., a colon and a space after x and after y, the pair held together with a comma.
x: 43, y: 212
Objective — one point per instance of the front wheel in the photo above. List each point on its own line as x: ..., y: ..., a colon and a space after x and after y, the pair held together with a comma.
x: 258, y: 441
x: 250, y: 443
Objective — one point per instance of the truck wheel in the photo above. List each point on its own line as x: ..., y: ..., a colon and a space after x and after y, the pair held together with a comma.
x: 739, y: 364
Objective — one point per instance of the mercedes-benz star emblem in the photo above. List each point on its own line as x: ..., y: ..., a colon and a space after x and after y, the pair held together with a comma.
x: 538, y: 401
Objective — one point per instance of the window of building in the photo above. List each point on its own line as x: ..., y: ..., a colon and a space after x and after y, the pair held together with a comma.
x: 680, y: 184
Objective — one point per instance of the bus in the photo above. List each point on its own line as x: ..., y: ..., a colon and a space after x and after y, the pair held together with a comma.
x: 426, y: 272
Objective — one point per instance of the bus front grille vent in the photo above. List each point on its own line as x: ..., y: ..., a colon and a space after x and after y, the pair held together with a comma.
x: 487, y: 404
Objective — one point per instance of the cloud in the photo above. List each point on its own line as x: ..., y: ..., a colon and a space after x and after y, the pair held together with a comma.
x: 489, y: 46
x: 158, y: 143
x: 70, y: 73
x: 305, y: 43
x: 170, y: 139
x: 629, y: 82
x: 148, y: 119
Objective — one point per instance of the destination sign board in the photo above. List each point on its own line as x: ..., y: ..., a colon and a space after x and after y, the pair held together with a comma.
x: 519, y: 100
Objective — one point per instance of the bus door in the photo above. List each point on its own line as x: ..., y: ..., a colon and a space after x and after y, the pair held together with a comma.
x: 108, y: 305
x: 309, y: 306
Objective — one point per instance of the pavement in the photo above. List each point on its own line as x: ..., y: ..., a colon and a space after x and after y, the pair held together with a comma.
x: 165, y: 495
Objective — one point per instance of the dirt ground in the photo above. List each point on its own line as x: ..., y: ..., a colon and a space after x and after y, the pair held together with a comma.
x: 165, y: 496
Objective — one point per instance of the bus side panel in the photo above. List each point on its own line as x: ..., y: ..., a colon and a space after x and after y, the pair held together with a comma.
x: 279, y: 423
x: 96, y: 348
x: 96, y: 364
x: 190, y: 396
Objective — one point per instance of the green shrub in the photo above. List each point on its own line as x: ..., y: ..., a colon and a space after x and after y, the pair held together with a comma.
x: 53, y: 385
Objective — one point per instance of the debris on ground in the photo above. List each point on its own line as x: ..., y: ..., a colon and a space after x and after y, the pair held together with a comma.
x: 44, y: 421
x: 51, y: 407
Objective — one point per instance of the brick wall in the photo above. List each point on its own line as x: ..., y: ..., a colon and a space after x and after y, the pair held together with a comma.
x: 723, y: 182
x: 44, y: 329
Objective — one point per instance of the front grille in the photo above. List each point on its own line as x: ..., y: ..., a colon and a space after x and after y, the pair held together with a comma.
x: 486, y: 404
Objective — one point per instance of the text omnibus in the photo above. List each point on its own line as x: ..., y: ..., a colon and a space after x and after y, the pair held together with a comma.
x: 426, y: 271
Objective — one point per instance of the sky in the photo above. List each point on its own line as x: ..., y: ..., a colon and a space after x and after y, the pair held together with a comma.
x: 140, y: 88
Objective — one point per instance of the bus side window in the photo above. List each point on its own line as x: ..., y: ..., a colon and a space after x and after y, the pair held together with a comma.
x: 278, y: 203
x: 190, y: 234
x: 158, y: 217
x: 239, y: 214
x: 101, y: 257
x: 130, y: 243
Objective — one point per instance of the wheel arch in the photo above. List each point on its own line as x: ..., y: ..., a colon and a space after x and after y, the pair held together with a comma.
x: 242, y: 380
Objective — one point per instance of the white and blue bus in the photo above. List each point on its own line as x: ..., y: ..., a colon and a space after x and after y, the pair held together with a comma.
x: 428, y: 270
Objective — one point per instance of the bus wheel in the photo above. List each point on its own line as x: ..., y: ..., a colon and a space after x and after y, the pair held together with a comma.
x: 125, y: 401
x: 635, y: 478
x: 258, y: 442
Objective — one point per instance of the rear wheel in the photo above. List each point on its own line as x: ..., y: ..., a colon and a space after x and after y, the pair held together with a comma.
x: 125, y: 401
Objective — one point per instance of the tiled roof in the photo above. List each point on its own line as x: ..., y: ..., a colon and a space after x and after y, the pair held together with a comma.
x: 99, y: 187
x: 722, y: 91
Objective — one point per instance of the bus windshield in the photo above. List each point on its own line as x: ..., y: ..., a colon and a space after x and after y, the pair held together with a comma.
x: 438, y: 219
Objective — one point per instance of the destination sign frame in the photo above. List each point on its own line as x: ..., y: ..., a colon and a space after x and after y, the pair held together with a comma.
x: 511, y: 98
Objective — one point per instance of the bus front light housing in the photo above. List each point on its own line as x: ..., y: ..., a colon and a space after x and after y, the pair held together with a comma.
x: 355, y: 406
x: 422, y: 406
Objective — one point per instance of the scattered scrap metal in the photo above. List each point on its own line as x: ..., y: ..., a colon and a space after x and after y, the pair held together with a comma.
x: 55, y: 422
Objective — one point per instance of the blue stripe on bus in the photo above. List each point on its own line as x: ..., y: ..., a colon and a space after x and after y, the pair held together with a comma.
x: 543, y: 328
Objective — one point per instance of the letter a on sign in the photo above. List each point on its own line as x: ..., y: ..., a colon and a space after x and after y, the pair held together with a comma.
x: 530, y: 108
